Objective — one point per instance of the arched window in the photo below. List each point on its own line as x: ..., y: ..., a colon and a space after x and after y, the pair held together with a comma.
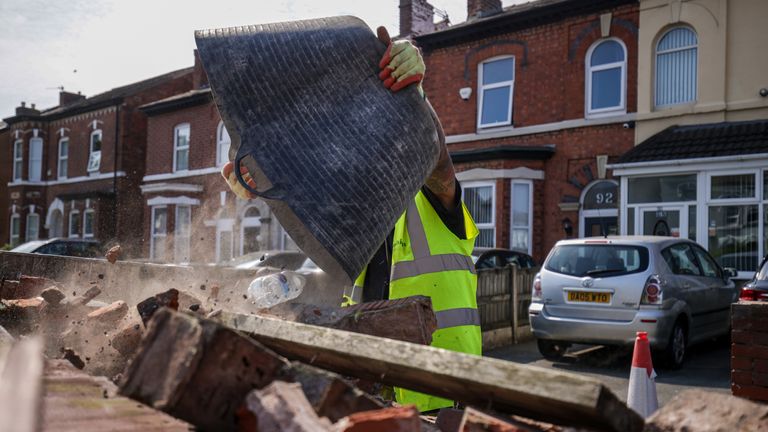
x: 250, y: 230
x: 223, y: 141
x: 606, y: 78
x: 676, y: 67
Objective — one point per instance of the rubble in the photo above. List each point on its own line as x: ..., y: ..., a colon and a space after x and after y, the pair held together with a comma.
x: 697, y: 410
x: 148, y: 307
x: 396, y: 419
x: 282, y: 406
x: 113, y: 254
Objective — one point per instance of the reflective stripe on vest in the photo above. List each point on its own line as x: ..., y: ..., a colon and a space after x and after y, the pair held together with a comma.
x: 354, y: 293
x: 423, y: 262
x: 457, y: 317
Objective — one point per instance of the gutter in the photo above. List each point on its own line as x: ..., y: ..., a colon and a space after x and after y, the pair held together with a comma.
x: 691, y: 161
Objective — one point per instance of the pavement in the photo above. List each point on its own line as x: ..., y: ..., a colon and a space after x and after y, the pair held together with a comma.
x: 707, y: 367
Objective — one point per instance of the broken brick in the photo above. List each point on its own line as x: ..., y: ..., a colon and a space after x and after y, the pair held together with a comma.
x: 148, y: 307
x: 70, y: 355
x: 89, y: 295
x: 109, y: 314
x: 126, y: 340
x: 396, y: 419
x: 52, y: 296
x: 113, y: 254
x: 283, y: 406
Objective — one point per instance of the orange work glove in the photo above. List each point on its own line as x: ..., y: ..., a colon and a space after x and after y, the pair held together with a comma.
x: 401, y: 65
x: 228, y: 172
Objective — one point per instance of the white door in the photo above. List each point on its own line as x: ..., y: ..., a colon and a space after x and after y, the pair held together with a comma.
x: 669, y: 221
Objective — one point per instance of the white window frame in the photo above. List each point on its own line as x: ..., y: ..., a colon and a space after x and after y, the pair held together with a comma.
x: 87, y: 212
x: 35, y: 165
x: 735, y: 201
x: 484, y: 225
x: 177, y: 148
x: 224, y: 227
x: 481, y: 91
x: 15, y: 239
x: 154, y: 236
x: 590, y: 70
x: 529, y: 225
x: 94, y: 156
x: 656, y: 66
x: 248, y: 222
x: 30, y: 223
x: 182, y: 249
x: 222, y: 157
x: 73, y: 215
x: 18, y: 160
x: 63, y: 159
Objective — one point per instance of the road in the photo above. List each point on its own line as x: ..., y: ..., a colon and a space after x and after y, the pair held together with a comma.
x: 707, y: 367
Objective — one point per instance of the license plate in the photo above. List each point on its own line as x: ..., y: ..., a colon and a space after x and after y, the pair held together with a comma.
x: 589, y: 297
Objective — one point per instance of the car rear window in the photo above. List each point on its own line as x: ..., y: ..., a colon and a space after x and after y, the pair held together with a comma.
x: 597, y: 260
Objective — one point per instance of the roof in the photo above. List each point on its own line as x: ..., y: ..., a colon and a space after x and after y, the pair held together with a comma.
x: 109, y: 97
x: 514, y: 17
x: 3, y: 125
x: 702, y: 141
x: 178, y: 101
x: 504, y: 152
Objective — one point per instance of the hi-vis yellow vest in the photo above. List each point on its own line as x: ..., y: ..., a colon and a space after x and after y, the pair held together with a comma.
x: 428, y: 259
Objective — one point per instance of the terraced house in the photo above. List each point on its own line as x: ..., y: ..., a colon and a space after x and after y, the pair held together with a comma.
x: 76, y: 168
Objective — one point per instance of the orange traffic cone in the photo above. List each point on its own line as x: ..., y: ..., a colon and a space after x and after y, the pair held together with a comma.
x: 642, y: 379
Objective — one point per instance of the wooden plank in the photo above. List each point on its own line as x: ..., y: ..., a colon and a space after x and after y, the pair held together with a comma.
x: 77, y: 402
x: 21, y: 386
x: 507, y: 387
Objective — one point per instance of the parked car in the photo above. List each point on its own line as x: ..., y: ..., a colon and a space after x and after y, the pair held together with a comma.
x: 604, y: 290
x: 281, y: 259
x: 757, y: 288
x: 496, y: 258
x: 78, y: 247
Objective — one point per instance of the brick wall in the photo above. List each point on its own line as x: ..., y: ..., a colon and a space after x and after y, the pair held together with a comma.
x: 6, y: 168
x: 549, y: 88
x: 749, y: 350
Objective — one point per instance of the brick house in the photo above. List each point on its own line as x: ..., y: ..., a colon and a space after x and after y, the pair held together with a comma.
x: 188, y: 214
x: 5, y: 177
x: 535, y: 100
x: 76, y: 168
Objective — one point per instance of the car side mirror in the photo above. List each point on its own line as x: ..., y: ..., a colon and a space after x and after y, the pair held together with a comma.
x: 730, y: 272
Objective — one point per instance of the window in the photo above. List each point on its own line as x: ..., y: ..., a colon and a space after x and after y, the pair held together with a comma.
x: 676, y: 63
x: 496, y: 84
x: 94, y: 160
x: 181, y: 147
x: 223, y: 141
x: 182, y: 232
x: 250, y: 231
x: 681, y: 260
x: 35, y: 159
x: 33, y: 227
x: 225, y: 243
x: 479, y: 199
x: 63, y: 157
x: 74, y: 223
x: 708, y: 266
x: 606, y: 78
x: 159, y: 230
x: 88, y: 223
x: 286, y: 242
x: 521, y: 216
x: 732, y: 186
x: 18, y: 159
x: 15, y: 229
x: 671, y: 188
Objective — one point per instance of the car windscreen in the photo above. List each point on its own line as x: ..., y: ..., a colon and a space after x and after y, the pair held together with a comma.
x: 28, y: 247
x: 597, y: 260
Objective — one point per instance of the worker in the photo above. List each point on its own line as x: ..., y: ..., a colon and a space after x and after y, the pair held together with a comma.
x: 429, y: 251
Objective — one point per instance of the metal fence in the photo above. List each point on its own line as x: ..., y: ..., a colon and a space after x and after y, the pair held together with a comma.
x: 503, y: 297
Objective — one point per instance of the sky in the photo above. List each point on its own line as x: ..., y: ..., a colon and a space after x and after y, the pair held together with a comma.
x: 92, y: 46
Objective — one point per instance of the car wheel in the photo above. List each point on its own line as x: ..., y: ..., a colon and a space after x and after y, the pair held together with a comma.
x: 552, y: 350
x: 674, y: 354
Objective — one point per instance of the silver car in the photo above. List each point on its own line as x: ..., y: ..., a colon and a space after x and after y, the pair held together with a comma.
x: 604, y: 290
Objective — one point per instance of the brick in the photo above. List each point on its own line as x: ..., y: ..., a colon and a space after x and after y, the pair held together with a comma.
x: 126, y: 340
x: 90, y: 294
x: 760, y: 379
x: 475, y: 420
x: 148, y: 307
x: 25, y: 287
x: 741, y: 377
x: 760, y: 338
x: 109, y: 315
x: 741, y: 337
x: 52, y: 296
x: 742, y: 363
x: 113, y: 254
x: 751, y: 392
x: 398, y: 419
x: 197, y: 370
x: 282, y: 406
x: 753, y: 351
x: 760, y: 365
x: 449, y: 419
x: 698, y: 410
x: 750, y: 309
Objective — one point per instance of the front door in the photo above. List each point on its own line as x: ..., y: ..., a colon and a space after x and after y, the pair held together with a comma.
x: 665, y: 221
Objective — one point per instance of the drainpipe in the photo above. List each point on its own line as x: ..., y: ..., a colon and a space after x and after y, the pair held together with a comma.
x: 114, y: 172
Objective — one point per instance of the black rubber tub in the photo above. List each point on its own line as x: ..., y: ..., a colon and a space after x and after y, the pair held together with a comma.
x: 334, y: 154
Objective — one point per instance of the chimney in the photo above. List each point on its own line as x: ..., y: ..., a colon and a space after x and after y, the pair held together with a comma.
x: 416, y: 17
x: 199, y: 77
x: 482, y: 8
x: 66, y: 98
x: 24, y: 110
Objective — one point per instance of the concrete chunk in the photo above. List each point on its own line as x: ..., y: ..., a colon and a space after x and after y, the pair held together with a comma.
x: 282, y: 406
x: 702, y: 411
